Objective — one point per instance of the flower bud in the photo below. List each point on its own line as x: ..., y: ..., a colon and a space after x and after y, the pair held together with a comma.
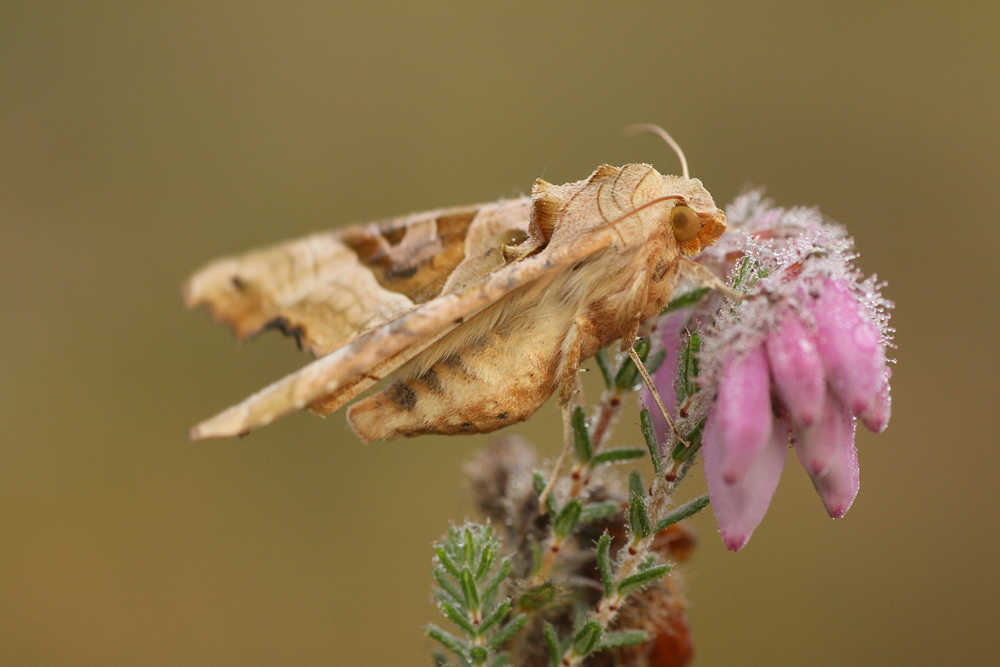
x: 797, y: 369
x: 740, y: 506
x: 744, y: 411
x: 848, y: 341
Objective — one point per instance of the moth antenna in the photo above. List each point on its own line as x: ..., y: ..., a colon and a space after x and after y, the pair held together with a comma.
x: 640, y: 128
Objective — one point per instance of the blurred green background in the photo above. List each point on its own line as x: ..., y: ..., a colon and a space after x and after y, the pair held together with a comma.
x: 141, y: 139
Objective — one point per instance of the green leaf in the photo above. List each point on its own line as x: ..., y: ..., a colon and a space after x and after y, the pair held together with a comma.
x: 457, y: 617
x: 635, y: 483
x: 446, y: 639
x: 597, y: 511
x: 447, y: 587
x: 581, y: 435
x: 654, y: 361
x: 499, y: 578
x: 686, y: 299
x: 586, y: 640
x: 537, y: 596
x: 642, y: 579
x: 649, y: 433
x: 686, y: 510
x: 439, y: 659
x: 628, y: 375
x: 618, y: 455
x: 681, y: 452
x: 508, y: 631
x: 485, y: 561
x: 538, y: 482
x: 604, y: 363
x: 469, y: 590
x: 622, y: 639
x: 501, y: 660
x: 568, y: 518
x: 687, y: 385
x: 498, y: 614
x: 552, y: 641
x: 469, y: 547
x: 604, y: 563
x: 639, y: 516
x: 446, y: 561
x: 479, y: 655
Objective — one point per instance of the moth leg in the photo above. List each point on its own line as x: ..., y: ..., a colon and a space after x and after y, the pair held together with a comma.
x: 653, y: 391
x: 634, y: 301
x: 567, y: 378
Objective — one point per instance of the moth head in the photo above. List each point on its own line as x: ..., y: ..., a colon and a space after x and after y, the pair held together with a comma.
x: 691, y: 213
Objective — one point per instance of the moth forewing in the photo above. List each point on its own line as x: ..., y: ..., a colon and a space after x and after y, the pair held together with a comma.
x: 491, y: 347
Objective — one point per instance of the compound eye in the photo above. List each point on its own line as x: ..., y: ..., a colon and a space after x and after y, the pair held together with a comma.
x: 685, y: 222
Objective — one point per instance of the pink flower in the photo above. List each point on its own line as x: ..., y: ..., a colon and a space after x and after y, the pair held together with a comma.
x: 796, y: 363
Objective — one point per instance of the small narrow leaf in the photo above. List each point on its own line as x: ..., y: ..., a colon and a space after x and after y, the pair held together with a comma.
x: 538, y: 482
x: 604, y: 563
x: 586, y: 640
x: 628, y: 375
x: 635, y: 484
x: 479, y: 655
x: 581, y: 435
x: 686, y: 510
x: 686, y: 299
x: 642, y: 579
x: 537, y: 596
x: 457, y: 617
x: 442, y: 578
x: 604, y: 363
x: 508, y: 631
x: 655, y: 361
x: 485, y: 561
x: 498, y: 614
x: 567, y: 519
x: 469, y: 547
x: 499, y: 578
x: 439, y: 659
x: 639, y: 516
x: 597, y: 511
x: 552, y: 641
x: 649, y: 433
x: 502, y: 660
x: 618, y: 455
x: 446, y: 561
x: 469, y: 590
x: 622, y: 639
x: 446, y: 639
x: 685, y: 452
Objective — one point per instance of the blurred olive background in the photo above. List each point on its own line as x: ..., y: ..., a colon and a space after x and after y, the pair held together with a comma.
x: 139, y: 140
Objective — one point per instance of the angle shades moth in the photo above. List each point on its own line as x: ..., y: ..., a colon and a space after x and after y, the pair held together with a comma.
x: 476, y: 315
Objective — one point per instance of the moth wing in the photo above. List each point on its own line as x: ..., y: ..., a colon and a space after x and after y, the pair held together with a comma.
x: 327, y: 288
x: 398, y: 340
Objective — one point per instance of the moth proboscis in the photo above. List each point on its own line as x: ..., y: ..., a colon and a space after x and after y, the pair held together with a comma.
x: 476, y: 314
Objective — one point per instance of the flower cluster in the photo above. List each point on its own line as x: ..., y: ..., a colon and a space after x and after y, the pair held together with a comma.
x: 798, y: 360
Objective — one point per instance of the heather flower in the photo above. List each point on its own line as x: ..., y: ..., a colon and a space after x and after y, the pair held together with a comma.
x: 799, y: 360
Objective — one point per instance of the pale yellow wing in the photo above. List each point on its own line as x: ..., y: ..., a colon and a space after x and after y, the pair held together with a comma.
x: 327, y: 288
x: 398, y: 340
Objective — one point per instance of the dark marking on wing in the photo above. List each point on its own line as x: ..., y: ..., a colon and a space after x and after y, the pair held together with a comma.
x: 431, y: 381
x: 401, y: 395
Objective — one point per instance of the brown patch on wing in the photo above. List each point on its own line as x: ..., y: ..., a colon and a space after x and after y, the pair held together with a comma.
x: 418, y: 262
x: 327, y: 288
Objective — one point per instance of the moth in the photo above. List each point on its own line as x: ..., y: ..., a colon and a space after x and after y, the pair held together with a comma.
x: 476, y: 315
